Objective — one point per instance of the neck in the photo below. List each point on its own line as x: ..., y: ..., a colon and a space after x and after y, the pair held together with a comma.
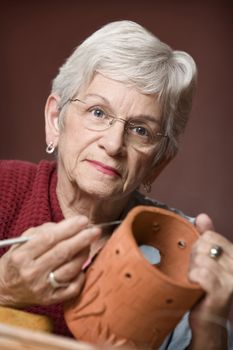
x: 98, y: 210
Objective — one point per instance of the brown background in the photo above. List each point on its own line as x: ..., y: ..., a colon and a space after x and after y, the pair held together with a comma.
x: 37, y: 37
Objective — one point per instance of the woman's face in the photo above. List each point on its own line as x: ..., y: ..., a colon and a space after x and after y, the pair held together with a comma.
x: 103, y: 163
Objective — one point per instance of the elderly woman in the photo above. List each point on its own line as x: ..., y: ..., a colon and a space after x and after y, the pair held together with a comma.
x: 115, y: 114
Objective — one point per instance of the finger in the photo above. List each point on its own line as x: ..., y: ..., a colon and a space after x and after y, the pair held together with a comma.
x: 201, y: 275
x: 217, y: 285
x: 208, y: 240
x: 201, y: 258
x: 70, y: 270
x: 48, y: 235
x: 204, y: 223
x: 67, y: 293
x: 66, y: 250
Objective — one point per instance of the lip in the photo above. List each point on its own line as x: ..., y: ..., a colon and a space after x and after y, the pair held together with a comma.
x: 106, y: 169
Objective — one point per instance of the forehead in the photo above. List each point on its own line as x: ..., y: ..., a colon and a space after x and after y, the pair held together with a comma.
x: 121, y: 97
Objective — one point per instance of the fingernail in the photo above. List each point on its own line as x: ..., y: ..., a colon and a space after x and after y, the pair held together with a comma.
x: 95, y: 231
x: 81, y: 219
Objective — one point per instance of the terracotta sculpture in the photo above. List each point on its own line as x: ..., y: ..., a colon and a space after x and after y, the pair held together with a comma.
x: 127, y: 300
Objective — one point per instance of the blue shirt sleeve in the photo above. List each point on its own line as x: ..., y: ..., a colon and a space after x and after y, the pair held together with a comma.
x: 180, y: 338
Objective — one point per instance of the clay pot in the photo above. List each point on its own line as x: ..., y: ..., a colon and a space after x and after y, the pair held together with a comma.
x: 128, y: 301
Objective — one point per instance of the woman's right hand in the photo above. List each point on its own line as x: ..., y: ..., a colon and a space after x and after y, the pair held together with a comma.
x: 61, y: 248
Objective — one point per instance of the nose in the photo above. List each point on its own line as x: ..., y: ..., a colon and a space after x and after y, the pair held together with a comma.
x: 113, y: 139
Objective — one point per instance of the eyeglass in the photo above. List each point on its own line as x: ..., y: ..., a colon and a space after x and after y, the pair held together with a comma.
x: 139, y: 133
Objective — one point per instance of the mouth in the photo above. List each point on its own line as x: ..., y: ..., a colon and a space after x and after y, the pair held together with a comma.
x: 103, y: 168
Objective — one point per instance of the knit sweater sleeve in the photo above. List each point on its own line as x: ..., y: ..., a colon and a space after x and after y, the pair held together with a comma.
x: 16, y: 180
x: 28, y: 198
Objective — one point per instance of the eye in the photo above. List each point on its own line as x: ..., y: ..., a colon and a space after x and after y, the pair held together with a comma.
x: 140, y: 130
x: 98, y: 113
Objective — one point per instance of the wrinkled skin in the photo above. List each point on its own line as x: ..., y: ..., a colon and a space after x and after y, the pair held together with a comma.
x: 208, y: 318
x: 24, y: 269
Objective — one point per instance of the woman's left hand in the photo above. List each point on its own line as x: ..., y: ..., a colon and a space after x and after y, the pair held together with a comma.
x: 215, y: 276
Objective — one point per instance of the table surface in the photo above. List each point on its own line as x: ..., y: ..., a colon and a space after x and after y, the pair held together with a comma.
x: 12, y: 338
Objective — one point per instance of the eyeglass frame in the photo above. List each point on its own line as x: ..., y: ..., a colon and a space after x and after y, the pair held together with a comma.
x: 114, y: 119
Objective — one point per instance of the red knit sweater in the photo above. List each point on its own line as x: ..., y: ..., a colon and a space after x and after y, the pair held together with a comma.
x: 28, y: 198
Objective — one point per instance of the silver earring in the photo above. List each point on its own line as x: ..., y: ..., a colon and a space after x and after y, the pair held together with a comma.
x: 147, y: 186
x: 50, y: 148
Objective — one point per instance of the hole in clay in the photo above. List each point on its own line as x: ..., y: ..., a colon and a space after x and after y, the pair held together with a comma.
x: 155, y: 227
x: 128, y: 275
x: 117, y: 251
x: 182, y: 244
x: 169, y: 301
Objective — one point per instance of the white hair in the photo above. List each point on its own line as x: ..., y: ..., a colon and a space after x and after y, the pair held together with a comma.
x: 127, y: 52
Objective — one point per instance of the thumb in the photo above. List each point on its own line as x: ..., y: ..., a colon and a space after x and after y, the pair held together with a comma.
x: 204, y: 223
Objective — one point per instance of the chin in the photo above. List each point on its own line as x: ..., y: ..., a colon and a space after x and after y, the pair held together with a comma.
x: 102, y: 192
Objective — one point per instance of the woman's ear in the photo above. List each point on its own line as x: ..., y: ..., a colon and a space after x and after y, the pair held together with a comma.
x: 51, y: 119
